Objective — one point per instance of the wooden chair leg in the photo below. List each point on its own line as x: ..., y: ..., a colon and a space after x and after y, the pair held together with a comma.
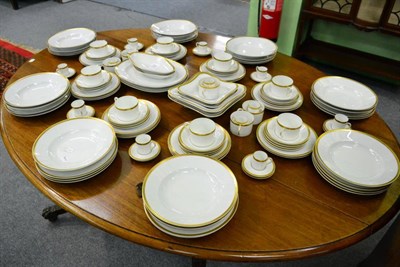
x: 14, y: 4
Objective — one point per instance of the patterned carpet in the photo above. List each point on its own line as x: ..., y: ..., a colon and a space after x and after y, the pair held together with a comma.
x: 11, y: 58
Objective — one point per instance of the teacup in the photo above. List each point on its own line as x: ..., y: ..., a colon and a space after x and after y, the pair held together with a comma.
x: 281, y: 85
x: 288, y: 126
x: 260, y: 160
x: 261, y: 72
x: 144, y: 144
x: 63, y: 69
x: 222, y: 60
x: 202, y: 132
x: 165, y: 44
x: 133, y: 43
x: 209, y: 88
x: 91, y: 74
x: 341, y: 121
x: 79, y: 108
x: 256, y: 108
x: 99, y: 47
x: 127, y: 107
x: 241, y: 122
x: 202, y: 47
x: 109, y: 64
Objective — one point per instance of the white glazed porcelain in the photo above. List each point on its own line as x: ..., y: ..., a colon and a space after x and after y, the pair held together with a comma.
x: 144, y: 144
x: 99, y: 49
x: 227, y: 77
x: 79, y: 109
x: 256, y: 108
x: 152, y: 64
x: 288, y: 126
x: 202, y: 49
x: 260, y: 160
x: 91, y: 76
x: 165, y: 45
x: 127, y: 107
x: 109, y: 64
x: 272, y: 134
x: 104, y: 91
x: 281, y: 86
x: 202, y: 132
x: 222, y: 61
x: 241, y: 123
x: 133, y: 43
x: 135, y: 152
x: 71, y: 39
x: 174, y: 28
x: 261, y: 174
x: 185, y: 140
x: 115, y: 119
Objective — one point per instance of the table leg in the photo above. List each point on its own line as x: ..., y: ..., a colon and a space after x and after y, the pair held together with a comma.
x: 14, y: 4
x: 198, y: 262
x: 51, y: 213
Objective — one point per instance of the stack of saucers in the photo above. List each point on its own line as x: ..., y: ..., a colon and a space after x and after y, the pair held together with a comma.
x: 129, y: 123
x: 75, y: 150
x: 275, y: 101
x: 98, y: 51
x: 190, y: 196
x: 355, y: 162
x: 181, y: 31
x: 180, y: 142
x: 207, y: 95
x: 270, y: 137
x: 37, y: 94
x: 70, y: 42
x: 235, y: 72
x: 334, y: 94
x: 166, y: 47
x: 151, y: 73
x: 94, y: 84
x: 251, y: 50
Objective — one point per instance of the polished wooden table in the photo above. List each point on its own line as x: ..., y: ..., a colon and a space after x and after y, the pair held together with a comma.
x: 295, y: 214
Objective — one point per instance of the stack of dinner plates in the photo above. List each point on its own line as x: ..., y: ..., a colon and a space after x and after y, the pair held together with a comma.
x: 271, y: 141
x: 151, y: 73
x: 181, y: 31
x: 235, y: 73
x: 179, y: 143
x: 355, y: 162
x: 75, y: 150
x: 148, y: 119
x: 70, y: 42
x: 335, y: 94
x: 191, y: 95
x: 107, y: 85
x: 190, y: 196
x: 37, y: 94
x: 251, y: 50
x: 263, y: 93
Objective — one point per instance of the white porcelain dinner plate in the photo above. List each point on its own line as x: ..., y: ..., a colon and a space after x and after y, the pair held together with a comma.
x: 185, y: 142
x: 73, y: 144
x: 174, y: 27
x: 72, y: 38
x: 344, y: 93
x: 236, y: 76
x: 251, y: 47
x: 190, y: 190
x: 357, y: 157
x: 36, y: 89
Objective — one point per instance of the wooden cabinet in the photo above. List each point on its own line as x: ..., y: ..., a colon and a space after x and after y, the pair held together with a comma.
x: 365, y: 15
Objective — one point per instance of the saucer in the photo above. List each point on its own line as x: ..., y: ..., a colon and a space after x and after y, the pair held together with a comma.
x: 254, y: 77
x: 105, y: 79
x: 111, y: 50
x: 236, y: 76
x: 138, y: 47
x: 266, y: 89
x: 174, y: 51
x: 328, y: 126
x: 270, y: 130
x: 134, y: 154
x: 87, y: 61
x: 178, y: 56
x: 202, y: 54
x: 89, y: 113
x: 234, y: 67
x: 71, y: 72
x: 256, y: 174
x: 109, y: 89
x: 185, y: 142
x: 143, y: 114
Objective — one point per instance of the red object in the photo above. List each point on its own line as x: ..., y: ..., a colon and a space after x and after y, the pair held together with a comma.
x: 18, y: 50
x: 270, y: 18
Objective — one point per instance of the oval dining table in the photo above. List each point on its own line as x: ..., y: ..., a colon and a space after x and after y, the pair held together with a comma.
x: 292, y: 215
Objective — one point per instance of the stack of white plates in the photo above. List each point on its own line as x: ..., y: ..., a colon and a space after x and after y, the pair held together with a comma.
x: 88, y: 58
x: 334, y: 94
x: 71, y: 42
x: 235, y: 73
x: 137, y: 79
x: 75, y: 150
x: 189, y: 95
x: 355, y: 162
x: 148, y: 119
x: 251, y: 50
x: 263, y: 93
x: 190, y: 196
x: 272, y: 142
x: 108, y: 85
x: 178, y: 51
x: 179, y: 143
x: 181, y: 31
x: 37, y: 94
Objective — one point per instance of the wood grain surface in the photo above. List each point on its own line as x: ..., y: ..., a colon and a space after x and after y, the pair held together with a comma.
x: 292, y: 215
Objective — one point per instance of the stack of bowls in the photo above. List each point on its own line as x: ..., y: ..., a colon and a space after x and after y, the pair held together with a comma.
x: 286, y: 136
x: 355, y: 162
x: 335, y: 94
x: 98, y: 51
x: 181, y: 31
x: 224, y: 67
x: 75, y: 150
x: 37, y: 94
x: 70, y: 42
x: 94, y: 84
x: 207, y: 95
x: 151, y: 73
x: 201, y: 136
x: 166, y: 47
x: 190, y: 196
x: 131, y: 117
x: 251, y: 50
x: 278, y: 95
